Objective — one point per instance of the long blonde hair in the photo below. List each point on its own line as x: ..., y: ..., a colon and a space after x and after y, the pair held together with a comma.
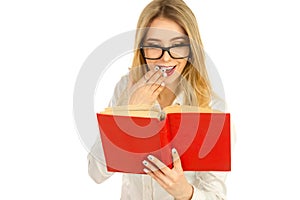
x: 195, y: 82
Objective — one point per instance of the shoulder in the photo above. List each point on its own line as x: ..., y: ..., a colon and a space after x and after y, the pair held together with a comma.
x: 122, y: 84
x: 218, y: 93
x: 119, y: 90
x: 218, y: 103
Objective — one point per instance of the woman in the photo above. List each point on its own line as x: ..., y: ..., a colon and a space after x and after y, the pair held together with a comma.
x: 168, y: 68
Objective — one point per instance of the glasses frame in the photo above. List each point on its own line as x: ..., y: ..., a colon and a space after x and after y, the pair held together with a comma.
x: 167, y: 49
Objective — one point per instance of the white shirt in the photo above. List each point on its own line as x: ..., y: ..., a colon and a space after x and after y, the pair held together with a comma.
x: 207, y: 185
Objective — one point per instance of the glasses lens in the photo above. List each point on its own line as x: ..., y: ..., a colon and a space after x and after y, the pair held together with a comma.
x: 152, y: 52
x: 180, y: 51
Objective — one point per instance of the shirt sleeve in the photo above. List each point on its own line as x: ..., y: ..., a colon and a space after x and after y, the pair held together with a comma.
x: 96, y: 160
x: 96, y: 163
x: 210, y: 186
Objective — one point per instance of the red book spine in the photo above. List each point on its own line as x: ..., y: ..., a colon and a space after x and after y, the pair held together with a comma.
x: 165, y: 143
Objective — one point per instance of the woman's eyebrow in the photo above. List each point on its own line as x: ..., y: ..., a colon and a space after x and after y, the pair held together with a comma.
x: 185, y: 38
x: 180, y: 38
x: 152, y: 40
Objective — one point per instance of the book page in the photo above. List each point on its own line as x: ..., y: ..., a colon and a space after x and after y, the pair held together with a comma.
x: 187, y: 109
x: 133, y: 110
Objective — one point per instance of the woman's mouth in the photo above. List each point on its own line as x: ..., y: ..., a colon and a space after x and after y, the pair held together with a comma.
x: 169, y: 70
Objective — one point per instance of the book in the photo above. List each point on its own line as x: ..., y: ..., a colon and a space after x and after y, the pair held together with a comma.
x: 130, y: 133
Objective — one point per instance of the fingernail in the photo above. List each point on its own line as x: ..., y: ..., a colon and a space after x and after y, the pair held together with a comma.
x: 156, y: 68
x: 146, y: 170
x: 163, y: 84
x: 174, y: 151
x: 164, y: 74
x: 150, y: 157
x: 145, y: 162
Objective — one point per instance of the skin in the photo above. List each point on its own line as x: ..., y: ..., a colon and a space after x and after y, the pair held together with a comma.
x: 147, y: 90
x: 154, y: 86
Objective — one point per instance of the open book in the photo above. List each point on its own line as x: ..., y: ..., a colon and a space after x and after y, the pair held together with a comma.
x: 130, y: 133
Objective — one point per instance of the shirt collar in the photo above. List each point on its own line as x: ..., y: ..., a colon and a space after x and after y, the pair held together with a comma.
x: 179, y: 99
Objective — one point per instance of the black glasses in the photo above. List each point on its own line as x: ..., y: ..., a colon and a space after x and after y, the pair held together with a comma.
x: 154, y: 52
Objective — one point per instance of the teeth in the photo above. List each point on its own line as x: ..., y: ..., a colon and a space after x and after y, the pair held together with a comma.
x: 167, y: 68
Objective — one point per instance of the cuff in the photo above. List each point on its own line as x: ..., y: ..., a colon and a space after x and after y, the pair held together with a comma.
x: 197, y: 194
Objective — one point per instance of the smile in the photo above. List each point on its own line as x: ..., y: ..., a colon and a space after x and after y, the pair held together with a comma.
x: 168, y: 69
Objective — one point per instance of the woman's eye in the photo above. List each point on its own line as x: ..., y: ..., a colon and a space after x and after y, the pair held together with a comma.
x: 152, y: 44
x: 178, y: 44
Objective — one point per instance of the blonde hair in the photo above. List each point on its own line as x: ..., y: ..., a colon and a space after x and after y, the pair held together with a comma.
x: 194, y: 81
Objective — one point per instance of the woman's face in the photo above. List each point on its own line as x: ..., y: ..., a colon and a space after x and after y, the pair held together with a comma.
x: 167, y: 33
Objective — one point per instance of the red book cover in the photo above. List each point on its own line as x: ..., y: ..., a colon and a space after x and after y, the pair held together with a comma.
x: 201, y: 139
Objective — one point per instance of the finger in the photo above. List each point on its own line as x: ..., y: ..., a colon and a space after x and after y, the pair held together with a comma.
x: 159, y: 181
x: 176, y: 159
x: 157, y: 82
x: 157, y: 85
x: 152, y: 73
x: 146, y: 77
x: 155, y: 78
x: 159, y: 89
x: 150, y: 166
x: 160, y: 165
x: 157, y: 174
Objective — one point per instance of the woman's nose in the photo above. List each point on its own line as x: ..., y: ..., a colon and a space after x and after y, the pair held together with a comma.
x: 166, y: 56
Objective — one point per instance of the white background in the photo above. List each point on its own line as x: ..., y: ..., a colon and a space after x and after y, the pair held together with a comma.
x: 254, y: 44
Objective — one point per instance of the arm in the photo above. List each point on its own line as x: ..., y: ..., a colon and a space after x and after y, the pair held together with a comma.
x: 96, y: 160
x: 96, y: 163
x: 210, y: 185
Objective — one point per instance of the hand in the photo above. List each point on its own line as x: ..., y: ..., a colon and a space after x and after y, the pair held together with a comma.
x: 147, y: 89
x: 172, y: 180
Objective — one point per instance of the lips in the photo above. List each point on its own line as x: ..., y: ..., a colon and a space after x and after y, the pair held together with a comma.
x: 168, y: 69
